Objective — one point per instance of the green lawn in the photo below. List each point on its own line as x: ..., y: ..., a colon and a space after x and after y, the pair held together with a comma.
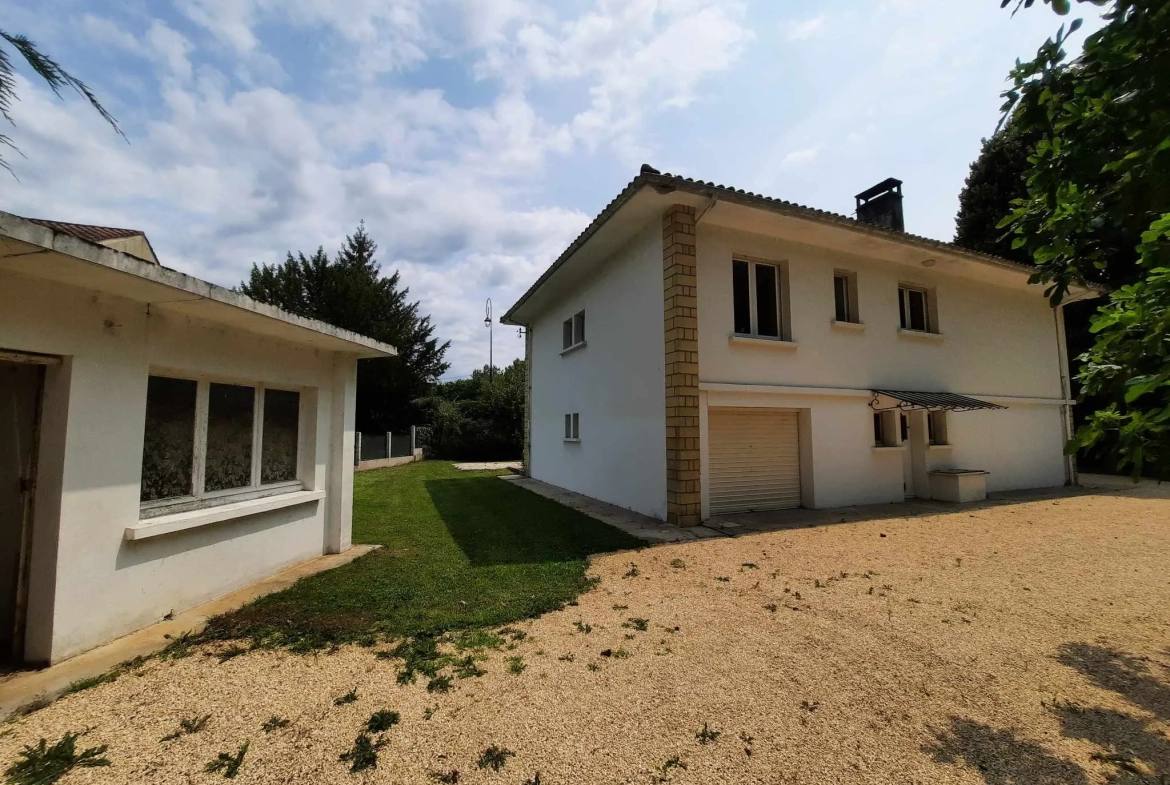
x: 461, y: 550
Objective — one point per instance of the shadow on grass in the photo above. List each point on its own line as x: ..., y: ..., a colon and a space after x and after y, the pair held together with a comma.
x: 495, y: 523
x: 1132, y: 749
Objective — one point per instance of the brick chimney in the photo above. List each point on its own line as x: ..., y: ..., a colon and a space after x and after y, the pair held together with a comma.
x: 881, y: 205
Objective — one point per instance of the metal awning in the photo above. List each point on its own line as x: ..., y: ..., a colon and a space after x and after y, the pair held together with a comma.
x: 905, y: 400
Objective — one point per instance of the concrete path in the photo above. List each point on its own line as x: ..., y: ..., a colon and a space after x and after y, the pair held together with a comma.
x: 23, y: 688
x: 485, y: 466
x: 641, y: 526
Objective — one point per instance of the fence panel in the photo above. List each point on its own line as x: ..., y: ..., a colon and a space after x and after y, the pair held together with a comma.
x: 374, y: 446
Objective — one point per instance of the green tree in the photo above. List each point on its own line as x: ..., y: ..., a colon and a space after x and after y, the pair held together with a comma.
x: 1097, y: 211
x: 996, y: 180
x: 46, y: 68
x: 350, y: 292
x: 481, y: 418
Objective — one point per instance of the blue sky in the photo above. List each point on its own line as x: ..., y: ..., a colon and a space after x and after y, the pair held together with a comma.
x: 476, y: 138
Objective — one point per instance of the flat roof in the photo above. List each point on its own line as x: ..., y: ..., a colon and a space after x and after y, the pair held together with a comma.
x: 40, y: 251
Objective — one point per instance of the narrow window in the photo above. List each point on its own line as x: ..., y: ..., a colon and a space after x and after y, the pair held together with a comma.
x: 278, y: 451
x: 741, y: 297
x: 576, y: 426
x: 912, y: 309
x: 168, y: 449
x: 567, y: 332
x: 572, y: 426
x: 905, y: 420
x: 230, y: 410
x: 767, y: 301
x: 568, y: 426
x: 841, y: 297
x: 936, y: 426
x: 579, y: 328
x: 879, y: 436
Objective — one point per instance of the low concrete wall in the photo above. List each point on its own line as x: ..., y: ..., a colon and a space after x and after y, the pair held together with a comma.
x: 384, y: 463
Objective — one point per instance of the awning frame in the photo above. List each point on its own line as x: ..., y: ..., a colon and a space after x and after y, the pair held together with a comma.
x: 907, y: 401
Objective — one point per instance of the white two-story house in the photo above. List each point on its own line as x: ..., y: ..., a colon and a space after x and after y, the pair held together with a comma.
x: 700, y: 351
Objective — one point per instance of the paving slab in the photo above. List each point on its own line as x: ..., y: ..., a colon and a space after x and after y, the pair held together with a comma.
x: 641, y: 526
x: 22, y: 688
x: 488, y: 466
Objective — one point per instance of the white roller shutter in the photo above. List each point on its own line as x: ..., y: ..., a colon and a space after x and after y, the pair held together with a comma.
x: 754, y: 459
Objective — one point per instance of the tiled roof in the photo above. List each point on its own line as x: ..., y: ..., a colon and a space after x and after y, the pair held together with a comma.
x: 94, y: 234
x: 649, y: 176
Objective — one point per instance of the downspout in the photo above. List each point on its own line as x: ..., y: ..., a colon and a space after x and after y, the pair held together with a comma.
x: 1066, y: 419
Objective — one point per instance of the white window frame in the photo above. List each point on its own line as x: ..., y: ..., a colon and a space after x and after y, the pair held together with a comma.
x: 200, y: 498
x: 929, y: 317
x: 852, y: 313
x: 575, y: 331
x: 781, y: 305
x: 573, y: 427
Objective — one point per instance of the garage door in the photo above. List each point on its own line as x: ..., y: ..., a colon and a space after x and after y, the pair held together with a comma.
x: 754, y: 457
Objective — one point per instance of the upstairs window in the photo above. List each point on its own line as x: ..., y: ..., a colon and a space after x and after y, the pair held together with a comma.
x: 206, y: 439
x: 573, y: 331
x: 914, y: 309
x: 845, y: 297
x: 756, y: 299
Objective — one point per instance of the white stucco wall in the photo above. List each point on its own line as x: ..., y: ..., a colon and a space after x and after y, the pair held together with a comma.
x: 996, y: 343
x: 616, y: 382
x: 89, y: 583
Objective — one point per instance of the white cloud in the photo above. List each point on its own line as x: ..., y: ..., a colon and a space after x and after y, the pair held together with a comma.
x: 799, y: 31
x: 802, y: 157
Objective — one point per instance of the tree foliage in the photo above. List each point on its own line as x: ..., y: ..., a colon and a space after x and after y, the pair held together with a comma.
x: 48, y: 69
x: 349, y: 291
x: 997, y: 179
x: 479, y: 419
x: 1097, y: 211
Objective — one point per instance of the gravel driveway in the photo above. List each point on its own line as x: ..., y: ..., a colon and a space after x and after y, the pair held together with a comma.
x: 1019, y: 643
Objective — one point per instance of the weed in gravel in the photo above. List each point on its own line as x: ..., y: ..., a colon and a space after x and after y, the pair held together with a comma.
x: 1125, y: 762
x: 637, y: 623
x: 363, y: 755
x: 817, y: 584
x: 583, y: 628
x: 664, y: 770
x: 513, y: 633
x: 810, y: 706
x: 629, y: 636
x: 747, y: 743
x: 958, y: 561
x: 494, y: 758
x: 429, y: 712
x: 723, y: 579
x: 749, y: 565
x: 678, y: 564
x: 467, y: 667
x: 772, y: 607
x: 275, y: 723
x: 44, y: 765
x: 621, y: 607
x: 81, y: 685
x: 419, y: 654
x: 188, y: 726
x: 382, y: 720
x: 632, y: 572
x: 477, y: 639
x: 796, y: 596
x: 439, y: 684
x: 566, y: 657
x: 870, y: 590
x: 348, y: 697
x: 593, y: 666
x: 534, y: 780
x: 707, y: 735
x: 516, y: 665
x: 621, y: 654
x: 446, y: 777
x: 179, y: 647
x: 228, y: 765
x: 230, y: 653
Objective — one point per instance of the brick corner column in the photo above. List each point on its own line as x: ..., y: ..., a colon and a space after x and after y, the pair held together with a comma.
x: 683, y: 490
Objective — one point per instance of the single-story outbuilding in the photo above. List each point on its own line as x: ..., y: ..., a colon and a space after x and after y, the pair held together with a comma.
x: 163, y: 441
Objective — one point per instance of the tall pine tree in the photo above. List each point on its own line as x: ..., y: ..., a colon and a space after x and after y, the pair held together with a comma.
x: 349, y: 292
x: 995, y: 180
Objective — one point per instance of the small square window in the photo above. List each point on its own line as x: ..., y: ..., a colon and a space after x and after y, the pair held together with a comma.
x: 914, y: 309
x: 936, y: 427
x: 573, y: 331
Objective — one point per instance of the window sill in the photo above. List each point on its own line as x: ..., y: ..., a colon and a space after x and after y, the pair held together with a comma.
x: 572, y: 441
x: 762, y: 340
x: 939, y: 446
x: 921, y: 334
x: 856, y: 327
x: 887, y: 448
x: 181, y: 521
x: 574, y: 348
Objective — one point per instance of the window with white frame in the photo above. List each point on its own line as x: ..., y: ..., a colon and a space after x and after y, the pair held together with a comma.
x: 573, y: 331
x: 573, y: 427
x: 914, y: 309
x: 757, y: 299
x: 208, y: 439
x: 845, y: 297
